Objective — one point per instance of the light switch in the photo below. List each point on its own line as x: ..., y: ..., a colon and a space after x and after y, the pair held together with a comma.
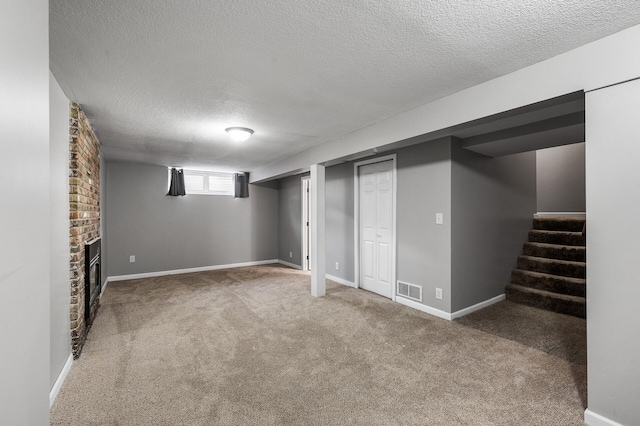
x: 439, y: 219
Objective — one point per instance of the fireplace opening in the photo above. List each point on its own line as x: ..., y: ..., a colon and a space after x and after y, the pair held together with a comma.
x: 92, y: 281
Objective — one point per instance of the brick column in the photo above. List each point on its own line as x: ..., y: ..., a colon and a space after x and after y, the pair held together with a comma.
x: 84, y: 214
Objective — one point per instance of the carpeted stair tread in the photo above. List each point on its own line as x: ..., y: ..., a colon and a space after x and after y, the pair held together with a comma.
x: 565, y: 238
x: 561, y: 303
x: 565, y: 268
x: 555, y: 251
x: 549, y: 282
x: 559, y: 223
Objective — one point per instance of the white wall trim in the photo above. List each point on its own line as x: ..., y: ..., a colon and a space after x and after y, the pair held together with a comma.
x: 104, y: 286
x: 478, y: 306
x: 340, y: 280
x: 542, y: 214
x: 60, y: 380
x: 356, y: 217
x: 424, y: 308
x: 446, y: 315
x: 594, y: 419
x: 189, y: 270
x: 289, y: 264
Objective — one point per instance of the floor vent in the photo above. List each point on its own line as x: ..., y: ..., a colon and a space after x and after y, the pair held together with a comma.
x: 410, y: 291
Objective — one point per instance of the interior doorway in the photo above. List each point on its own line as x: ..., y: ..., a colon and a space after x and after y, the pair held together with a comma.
x: 306, y: 220
x: 375, y: 207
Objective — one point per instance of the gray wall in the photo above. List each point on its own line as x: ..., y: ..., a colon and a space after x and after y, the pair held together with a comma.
x: 424, y: 248
x: 339, y: 220
x: 60, y: 328
x: 104, y: 255
x: 561, y: 179
x: 290, y: 219
x: 24, y: 213
x: 488, y: 205
x: 492, y: 202
x: 613, y: 293
x: 169, y: 233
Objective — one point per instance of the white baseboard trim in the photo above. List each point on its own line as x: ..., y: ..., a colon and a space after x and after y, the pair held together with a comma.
x: 478, y: 306
x: 446, y: 315
x: 289, y: 264
x: 104, y: 286
x: 60, y: 380
x: 189, y: 270
x: 594, y: 419
x: 424, y: 308
x: 340, y: 280
x: 542, y: 214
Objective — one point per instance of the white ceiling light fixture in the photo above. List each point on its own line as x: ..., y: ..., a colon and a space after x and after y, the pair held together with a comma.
x: 239, y: 134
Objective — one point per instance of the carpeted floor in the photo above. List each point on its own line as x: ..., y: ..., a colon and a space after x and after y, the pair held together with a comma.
x: 250, y: 346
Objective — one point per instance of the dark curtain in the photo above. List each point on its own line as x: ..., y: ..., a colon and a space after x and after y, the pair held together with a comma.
x: 241, y: 183
x: 177, y: 183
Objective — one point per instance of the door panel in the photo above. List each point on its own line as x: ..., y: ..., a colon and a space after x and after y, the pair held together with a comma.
x: 369, y: 260
x: 376, y: 227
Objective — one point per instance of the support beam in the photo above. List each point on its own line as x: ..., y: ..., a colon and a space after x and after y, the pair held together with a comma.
x: 613, y: 202
x: 318, y: 262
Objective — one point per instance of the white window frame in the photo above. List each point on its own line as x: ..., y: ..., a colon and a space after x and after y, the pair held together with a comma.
x: 205, y: 175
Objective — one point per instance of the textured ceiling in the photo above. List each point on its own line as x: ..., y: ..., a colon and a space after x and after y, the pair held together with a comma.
x: 161, y: 80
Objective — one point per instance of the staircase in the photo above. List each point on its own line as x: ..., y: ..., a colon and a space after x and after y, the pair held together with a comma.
x: 551, y: 272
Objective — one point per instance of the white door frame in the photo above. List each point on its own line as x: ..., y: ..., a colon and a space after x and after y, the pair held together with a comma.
x: 356, y: 218
x: 306, y: 218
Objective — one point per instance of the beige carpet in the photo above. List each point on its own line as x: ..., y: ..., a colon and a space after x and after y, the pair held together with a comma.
x: 250, y: 346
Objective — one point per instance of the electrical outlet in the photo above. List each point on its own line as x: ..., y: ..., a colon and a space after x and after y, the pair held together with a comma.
x: 290, y: 254
x: 132, y: 259
x: 439, y: 293
x: 337, y: 266
x: 439, y: 219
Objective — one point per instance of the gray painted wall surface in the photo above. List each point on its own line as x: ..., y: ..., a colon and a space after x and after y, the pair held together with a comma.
x: 613, y: 202
x: 339, y: 221
x: 492, y: 202
x: 104, y: 261
x: 290, y: 219
x: 24, y: 213
x: 169, y: 233
x: 561, y: 178
x: 60, y: 328
x: 424, y: 248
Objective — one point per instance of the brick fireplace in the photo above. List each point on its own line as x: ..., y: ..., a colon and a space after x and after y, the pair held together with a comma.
x: 84, y: 217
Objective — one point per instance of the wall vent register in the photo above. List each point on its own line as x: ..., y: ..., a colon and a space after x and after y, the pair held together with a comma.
x: 410, y: 291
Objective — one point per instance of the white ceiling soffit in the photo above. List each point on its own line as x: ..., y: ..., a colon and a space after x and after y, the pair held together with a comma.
x: 553, y: 122
x: 160, y: 81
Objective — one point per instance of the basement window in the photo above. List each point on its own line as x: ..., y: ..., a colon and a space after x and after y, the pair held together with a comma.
x: 207, y: 183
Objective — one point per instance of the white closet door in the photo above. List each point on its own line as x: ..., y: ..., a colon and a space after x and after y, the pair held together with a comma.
x: 376, y: 227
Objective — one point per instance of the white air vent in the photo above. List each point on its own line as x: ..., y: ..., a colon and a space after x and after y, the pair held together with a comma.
x: 410, y: 291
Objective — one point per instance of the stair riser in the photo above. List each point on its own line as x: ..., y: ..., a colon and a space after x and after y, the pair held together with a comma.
x: 571, y: 225
x: 559, y: 238
x: 575, y: 271
x: 575, y: 254
x: 552, y: 284
x: 575, y: 309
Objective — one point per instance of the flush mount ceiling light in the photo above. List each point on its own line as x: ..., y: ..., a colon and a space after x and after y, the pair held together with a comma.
x: 239, y: 133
